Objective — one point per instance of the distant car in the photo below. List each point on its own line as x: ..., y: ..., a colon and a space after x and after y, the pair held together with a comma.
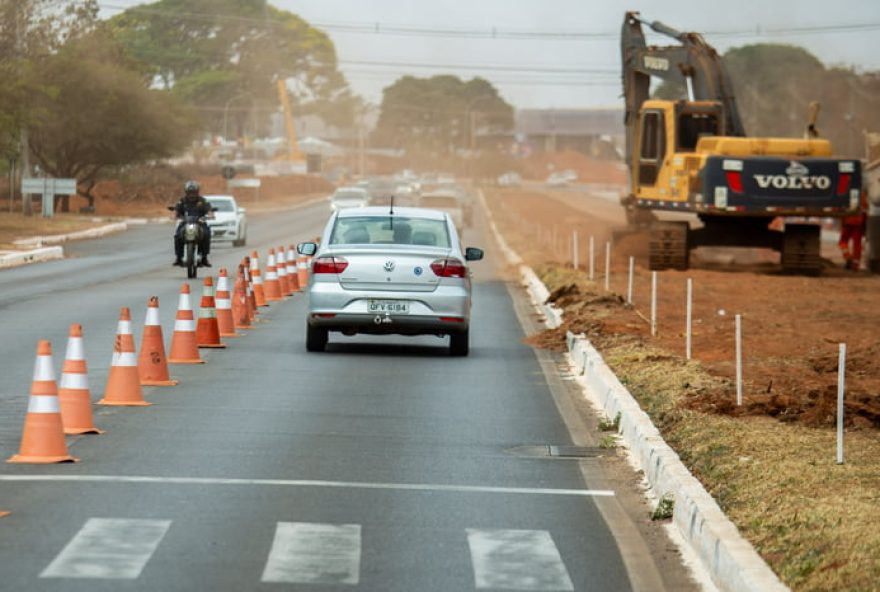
x: 509, y: 180
x: 229, y: 222
x: 570, y: 175
x: 450, y: 201
x: 349, y: 197
x: 380, y: 271
x: 556, y: 180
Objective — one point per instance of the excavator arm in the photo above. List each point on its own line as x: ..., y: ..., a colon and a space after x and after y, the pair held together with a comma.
x: 694, y: 64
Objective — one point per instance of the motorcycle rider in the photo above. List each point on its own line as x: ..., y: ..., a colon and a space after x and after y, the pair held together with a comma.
x: 193, y: 204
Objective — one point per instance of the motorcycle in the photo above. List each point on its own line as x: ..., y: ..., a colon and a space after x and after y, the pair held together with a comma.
x: 192, y: 236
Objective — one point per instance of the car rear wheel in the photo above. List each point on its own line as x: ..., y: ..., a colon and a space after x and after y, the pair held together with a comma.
x: 316, y: 339
x: 459, y: 343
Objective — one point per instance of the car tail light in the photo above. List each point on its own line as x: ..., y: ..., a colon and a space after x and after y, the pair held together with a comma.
x: 449, y: 268
x: 843, y: 183
x: 734, y: 181
x: 329, y: 265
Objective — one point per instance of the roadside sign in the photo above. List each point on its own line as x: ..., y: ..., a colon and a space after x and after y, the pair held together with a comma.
x: 48, y: 188
x: 228, y: 171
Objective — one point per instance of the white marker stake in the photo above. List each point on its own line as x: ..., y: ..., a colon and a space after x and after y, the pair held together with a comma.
x: 841, y: 384
x: 739, y: 361
x: 690, y: 299
x: 653, y: 303
x: 592, y: 258
x: 629, y: 284
x: 608, y: 266
x: 574, y: 249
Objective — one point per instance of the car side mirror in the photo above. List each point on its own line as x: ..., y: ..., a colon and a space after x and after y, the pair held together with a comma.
x: 473, y: 254
x: 307, y: 249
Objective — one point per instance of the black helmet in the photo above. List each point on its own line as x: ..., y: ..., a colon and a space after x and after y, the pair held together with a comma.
x: 191, y: 188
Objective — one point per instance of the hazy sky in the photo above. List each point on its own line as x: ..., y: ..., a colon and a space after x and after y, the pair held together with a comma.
x: 539, y: 58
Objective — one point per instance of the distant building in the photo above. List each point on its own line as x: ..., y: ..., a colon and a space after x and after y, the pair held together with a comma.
x: 591, y: 131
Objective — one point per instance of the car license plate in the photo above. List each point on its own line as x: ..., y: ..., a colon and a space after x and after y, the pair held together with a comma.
x: 388, y: 306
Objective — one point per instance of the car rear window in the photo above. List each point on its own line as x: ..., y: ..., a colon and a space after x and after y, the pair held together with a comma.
x: 222, y: 205
x: 387, y: 230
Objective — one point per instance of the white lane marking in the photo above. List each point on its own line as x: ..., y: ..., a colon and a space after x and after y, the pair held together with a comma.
x: 108, y: 548
x: 307, y: 483
x: 517, y: 560
x: 308, y: 553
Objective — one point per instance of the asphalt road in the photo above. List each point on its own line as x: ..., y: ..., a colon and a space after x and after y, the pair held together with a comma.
x: 382, y: 464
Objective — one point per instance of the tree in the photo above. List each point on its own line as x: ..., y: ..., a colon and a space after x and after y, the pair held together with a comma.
x: 441, y: 114
x: 222, y: 55
x: 96, y: 111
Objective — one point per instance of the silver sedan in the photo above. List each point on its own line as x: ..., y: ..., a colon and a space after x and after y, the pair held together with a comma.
x: 385, y: 270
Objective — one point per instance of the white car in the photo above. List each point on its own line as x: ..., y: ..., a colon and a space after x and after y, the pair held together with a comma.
x: 349, y: 197
x: 229, y: 222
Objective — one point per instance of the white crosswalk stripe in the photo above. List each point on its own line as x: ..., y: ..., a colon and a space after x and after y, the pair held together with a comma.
x: 308, y: 553
x: 517, y: 560
x: 108, y: 548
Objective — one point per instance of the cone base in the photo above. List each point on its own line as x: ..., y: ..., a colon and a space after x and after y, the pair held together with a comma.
x: 4, y: 514
x: 40, y: 460
x: 124, y: 403
x: 230, y: 335
x: 159, y: 383
x: 244, y: 326
x: 186, y: 361
x: 212, y: 345
x: 75, y: 431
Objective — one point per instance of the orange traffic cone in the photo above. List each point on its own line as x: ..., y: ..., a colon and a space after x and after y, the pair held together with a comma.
x: 292, y: 273
x: 281, y: 270
x: 124, y: 381
x: 42, y: 440
x: 249, y: 290
x: 74, y: 395
x: 302, y: 265
x: 152, y: 363
x: 207, y: 329
x: 184, y: 346
x: 4, y: 514
x: 259, y: 292
x: 240, y: 314
x: 273, y: 289
x: 225, y: 322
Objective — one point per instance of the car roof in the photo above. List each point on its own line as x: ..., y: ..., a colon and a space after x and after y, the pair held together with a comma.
x: 351, y: 188
x: 219, y: 197
x: 382, y: 211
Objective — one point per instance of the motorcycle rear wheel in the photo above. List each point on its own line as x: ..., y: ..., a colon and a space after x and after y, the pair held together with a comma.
x: 191, y: 265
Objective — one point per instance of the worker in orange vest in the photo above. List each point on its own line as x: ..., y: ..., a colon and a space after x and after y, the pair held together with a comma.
x: 852, y: 229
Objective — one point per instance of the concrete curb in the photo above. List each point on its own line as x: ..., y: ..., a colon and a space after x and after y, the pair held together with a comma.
x: 729, y: 559
x: 80, y: 234
x: 34, y: 256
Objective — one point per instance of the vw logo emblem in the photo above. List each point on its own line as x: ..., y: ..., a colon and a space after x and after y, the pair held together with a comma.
x: 389, y: 265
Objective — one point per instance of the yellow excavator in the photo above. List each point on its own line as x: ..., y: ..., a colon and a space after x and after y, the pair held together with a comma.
x: 293, y: 154
x: 694, y: 156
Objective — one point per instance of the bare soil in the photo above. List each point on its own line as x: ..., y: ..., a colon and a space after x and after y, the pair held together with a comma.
x: 791, y: 325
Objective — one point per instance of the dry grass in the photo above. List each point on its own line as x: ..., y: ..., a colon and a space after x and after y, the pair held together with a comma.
x: 815, y: 522
x: 16, y: 226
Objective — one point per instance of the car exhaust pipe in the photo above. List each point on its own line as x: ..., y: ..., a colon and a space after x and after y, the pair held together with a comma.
x: 377, y: 320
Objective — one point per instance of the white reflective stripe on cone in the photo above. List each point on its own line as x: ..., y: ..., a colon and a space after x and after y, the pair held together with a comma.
x: 75, y: 380
x: 222, y: 303
x: 183, y: 302
x: 152, y: 316
x: 124, y: 359
x: 207, y: 313
x: 43, y: 404
x: 75, y: 349
x: 43, y: 368
x: 185, y: 325
x: 222, y: 284
x: 124, y: 328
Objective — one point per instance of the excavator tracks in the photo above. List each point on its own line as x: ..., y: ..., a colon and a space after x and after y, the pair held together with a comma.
x: 668, y: 247
x: 801, y: 249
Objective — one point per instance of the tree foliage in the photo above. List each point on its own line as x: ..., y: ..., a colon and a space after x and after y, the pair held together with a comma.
x: 441, y: 114
x: 96, y: 111
x: 224, y: 57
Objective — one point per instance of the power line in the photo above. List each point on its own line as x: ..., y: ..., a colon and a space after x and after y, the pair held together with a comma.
x: 377, y: 28
x: 500, y: 68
